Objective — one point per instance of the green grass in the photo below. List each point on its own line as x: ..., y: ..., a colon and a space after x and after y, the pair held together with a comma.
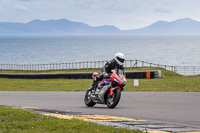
x: 19, y: 121
x: 44, y: 84
x: 49, y: 71
x: 169, y: 82
x: 180, y: 84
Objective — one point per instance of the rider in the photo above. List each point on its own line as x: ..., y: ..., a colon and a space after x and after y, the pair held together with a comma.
x: 117, y: 61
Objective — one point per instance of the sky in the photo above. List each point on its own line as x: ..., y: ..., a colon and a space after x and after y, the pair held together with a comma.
x: 124, y: 14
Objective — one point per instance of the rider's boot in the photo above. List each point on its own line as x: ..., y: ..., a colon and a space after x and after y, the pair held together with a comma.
x: 95, y: 82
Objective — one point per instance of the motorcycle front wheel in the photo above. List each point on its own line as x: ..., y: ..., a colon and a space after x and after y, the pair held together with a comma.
x: 88, y: 100
x: 113, y: 100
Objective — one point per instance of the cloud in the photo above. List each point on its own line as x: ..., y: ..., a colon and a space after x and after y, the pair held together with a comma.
x: 21, y: 7
x: 25, y: 0
x: 161, y: 10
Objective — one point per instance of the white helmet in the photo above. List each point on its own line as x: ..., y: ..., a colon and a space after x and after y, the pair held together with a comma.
x: 119, y: 57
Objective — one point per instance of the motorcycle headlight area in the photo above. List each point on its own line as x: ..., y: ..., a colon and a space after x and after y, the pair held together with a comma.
x: 124, y: 83
x: 116, y: 81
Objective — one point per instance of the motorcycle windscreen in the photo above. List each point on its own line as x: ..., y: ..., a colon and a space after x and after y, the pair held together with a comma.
x: 119, y: 71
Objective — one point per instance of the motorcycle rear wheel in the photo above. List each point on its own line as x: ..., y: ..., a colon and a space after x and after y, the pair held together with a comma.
x: 113, y: 100
x: 88, y: 100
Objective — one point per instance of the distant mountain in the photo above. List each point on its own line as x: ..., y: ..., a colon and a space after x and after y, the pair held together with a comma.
x: 54, y: 27
x: 184, y: 26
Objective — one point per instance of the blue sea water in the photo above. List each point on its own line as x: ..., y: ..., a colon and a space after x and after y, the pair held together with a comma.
x: 164, y: 50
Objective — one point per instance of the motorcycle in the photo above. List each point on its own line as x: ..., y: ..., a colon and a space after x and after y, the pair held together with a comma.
x: 109, y: 94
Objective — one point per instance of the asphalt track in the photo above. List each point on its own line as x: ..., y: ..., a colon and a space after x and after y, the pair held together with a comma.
x: 176, y: 107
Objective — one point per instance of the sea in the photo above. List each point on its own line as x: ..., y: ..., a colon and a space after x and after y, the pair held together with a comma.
x: 163, y: 50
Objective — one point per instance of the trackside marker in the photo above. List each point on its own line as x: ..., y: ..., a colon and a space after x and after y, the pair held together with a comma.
x: 135, y: 82
x: 148, y: 75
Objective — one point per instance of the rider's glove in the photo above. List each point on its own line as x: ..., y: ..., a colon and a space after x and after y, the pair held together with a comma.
x: 106, y: 75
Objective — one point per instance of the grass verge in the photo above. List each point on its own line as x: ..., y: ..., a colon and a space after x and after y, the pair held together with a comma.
x: 49, y: 71
x: 169, y: 82
x: 16, y: 120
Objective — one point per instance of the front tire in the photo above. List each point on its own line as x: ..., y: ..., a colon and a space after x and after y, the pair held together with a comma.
x: 113, y: 100
x: 88, y: 100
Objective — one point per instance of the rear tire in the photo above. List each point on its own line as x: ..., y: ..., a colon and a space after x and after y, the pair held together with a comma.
x: 88, y: 100
x: 113, y: 100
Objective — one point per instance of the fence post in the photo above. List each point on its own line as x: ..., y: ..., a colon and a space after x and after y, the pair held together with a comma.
x: 184, y: 70
x: 136, y: 63
x: 125, y: 63
x: 94, y: 64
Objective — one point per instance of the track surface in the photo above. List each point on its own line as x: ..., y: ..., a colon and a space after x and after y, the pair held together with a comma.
x: 176, y: 107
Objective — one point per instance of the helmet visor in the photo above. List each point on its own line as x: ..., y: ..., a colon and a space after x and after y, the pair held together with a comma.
x: 120, y: 59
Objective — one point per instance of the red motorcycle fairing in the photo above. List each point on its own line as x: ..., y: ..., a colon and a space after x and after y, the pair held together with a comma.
x: 112, y: 89
x: 120, y: 82
x: 95, y: 74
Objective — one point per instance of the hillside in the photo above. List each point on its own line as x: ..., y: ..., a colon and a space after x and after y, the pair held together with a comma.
x: 184, y: 26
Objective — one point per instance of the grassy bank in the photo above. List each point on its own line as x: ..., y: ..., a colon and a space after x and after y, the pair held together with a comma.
x: 169, y: 82
x: 49, y: 71
x: 16, y: 120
